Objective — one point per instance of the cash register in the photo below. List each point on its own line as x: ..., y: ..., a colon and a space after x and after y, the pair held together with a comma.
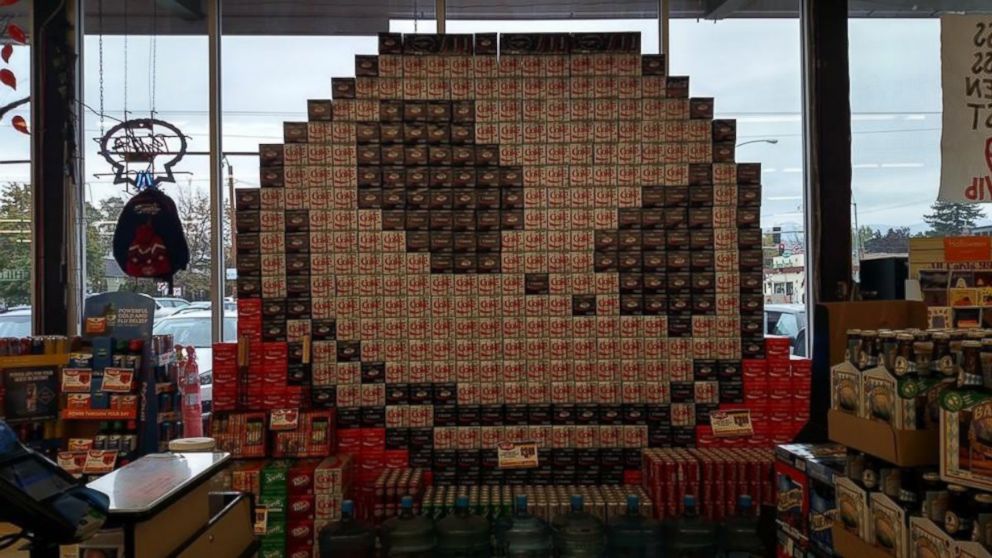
x: 45, y: 502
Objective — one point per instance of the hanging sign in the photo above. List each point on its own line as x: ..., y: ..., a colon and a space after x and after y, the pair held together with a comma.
x: 966, y: 132
x: 143, y: 151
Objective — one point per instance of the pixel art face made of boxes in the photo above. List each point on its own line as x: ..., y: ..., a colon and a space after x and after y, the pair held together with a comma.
x: 552, y: 244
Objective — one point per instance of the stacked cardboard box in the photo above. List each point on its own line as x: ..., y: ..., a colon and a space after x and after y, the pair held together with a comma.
x: 273, y: 496
x: 716, y: 477
x: 551, y: 245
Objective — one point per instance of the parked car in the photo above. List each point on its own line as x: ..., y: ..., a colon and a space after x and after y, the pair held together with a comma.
x: 165, y: 306
x: 788, y: 320
x: 16, y: 322
x: 193, y: 329
x: 229, y: 306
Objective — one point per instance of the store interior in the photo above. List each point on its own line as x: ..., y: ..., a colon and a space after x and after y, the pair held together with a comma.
x: 687, y: 278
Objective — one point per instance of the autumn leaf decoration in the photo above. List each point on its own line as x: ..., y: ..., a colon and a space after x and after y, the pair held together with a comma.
x: 7, y: 77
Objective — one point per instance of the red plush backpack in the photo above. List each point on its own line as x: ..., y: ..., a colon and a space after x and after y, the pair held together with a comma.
x: 149, y: 240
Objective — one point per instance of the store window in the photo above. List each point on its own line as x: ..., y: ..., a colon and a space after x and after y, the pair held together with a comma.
x: 15, y: 171
x: 146, y: 61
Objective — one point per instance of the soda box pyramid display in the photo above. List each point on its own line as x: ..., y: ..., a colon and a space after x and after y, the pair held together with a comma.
x: 550, y: 244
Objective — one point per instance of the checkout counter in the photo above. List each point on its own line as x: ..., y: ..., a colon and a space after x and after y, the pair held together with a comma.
x: 162, y: 508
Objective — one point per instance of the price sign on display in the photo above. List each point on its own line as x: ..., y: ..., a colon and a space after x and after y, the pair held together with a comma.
x: 966, y: 131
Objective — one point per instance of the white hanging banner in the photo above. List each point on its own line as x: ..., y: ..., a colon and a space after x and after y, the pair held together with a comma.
x: 966, y: 133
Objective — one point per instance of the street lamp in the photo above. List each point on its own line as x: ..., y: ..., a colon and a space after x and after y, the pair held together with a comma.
x: 772, y: 141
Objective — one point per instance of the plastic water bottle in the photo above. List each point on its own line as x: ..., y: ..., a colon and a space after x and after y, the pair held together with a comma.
x: 633, y: 535
x: 348, y: 537
x: 740, y: 533
x: 463, y: 534
x: 408, y: 535
x: 691, y: 536
x: 522, y: 535
x: 577, y: 533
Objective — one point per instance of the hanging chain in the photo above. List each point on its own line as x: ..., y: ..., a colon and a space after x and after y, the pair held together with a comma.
x: 99, y: 8
x: 153, y: 55
x: 125, y: 61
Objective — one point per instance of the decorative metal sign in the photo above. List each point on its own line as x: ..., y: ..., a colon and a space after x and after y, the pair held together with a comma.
x: 133, y: 148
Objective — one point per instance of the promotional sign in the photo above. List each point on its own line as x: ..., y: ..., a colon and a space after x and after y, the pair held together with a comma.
x: 30, y: 394
x: 966, y: 137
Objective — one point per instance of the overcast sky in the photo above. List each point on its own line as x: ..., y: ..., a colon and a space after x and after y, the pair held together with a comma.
x: 751, y: 67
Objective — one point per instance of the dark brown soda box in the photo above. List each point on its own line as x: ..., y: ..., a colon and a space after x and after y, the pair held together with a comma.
x: 683, y: 436
x: 676, y: 218
x: 658, y: 415
x: 319, y: 110
x: 701, y: 107
x: 652, y: 219
x: 273, y: 331
x: 749, y: 239
x: 753, y: 347
x: 515, y: 415
x: 366, y: 65
x: 298, y: 308
x: 751, y: 282
x: 486, y: 44
x: 652, y: 197
x: 679, y: 326
x: 298, y: 286
x: 631, y: 304
x: 349, y: 351
x: 703, y: 370
x: 369, y: 177
x: 654, y: 283
x: 563, y: 415
x: 655, y: 304
x: 653, y: 240
x: 249, y: 287
x: 325, y: 397
x: 397, y: 394
x: 752, y: 304
x: 677, y: 240
x: 678, y: 261
x: 421, y: 394
x: 633, y: 414
x: 703, y: 411
x: 729, y: 370
x: 270, y: 154
x: 679, y: 283
x: 274, y: 309
x: 397, y: 438
x: 750, y: 260
x: 248, y: 244
x: 390, y: 43
x: 631, y: 283
x: 421, y: 438
x: 679, y: 303
x: 249, y: 222
x: 704, y: 304
x: 700, y: 174
x: 297, y: 243
x: 247, y: 199
x: 751, y: 325
x: 343, y: 88
x: 749, y: 173
x: 702, y: 261
x: 703, y: 283
x: 250, y: 265
x: 701, y: 195
x: 700, y: 217
x: 348, y: 418
x: 295, y: 132
x: 660, y: 437
x: 373, y: 417
x: 586, y: 414
x: 748, y: 195
x: 446, y: 394
x: 724, y: 152
x: 368, y: 132
x: 676, y: 196
x: 653, y: 64
x: 732, y: 392
x: 748, y: 217
x: 724, y: 130
x: 610, y: 415
x: 270, y: 177
x: 701, y: 239
x: 324, y: 330
x: 629, y: 218
x: 373, y: 372
x: 298, y: 220
x: 677, y: 87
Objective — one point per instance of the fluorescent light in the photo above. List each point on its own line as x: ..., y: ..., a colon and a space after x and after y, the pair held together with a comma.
x: 865, y: 166
x: 901, y: 165
x: 915, y: 117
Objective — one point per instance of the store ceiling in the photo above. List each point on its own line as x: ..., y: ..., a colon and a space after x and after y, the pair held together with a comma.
x: 367, y: 17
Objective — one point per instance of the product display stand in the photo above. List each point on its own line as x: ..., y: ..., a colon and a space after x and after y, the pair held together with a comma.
x: 162, y: 504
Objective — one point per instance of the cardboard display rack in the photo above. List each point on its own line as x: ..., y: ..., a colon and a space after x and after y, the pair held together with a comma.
x: 906, y: 448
